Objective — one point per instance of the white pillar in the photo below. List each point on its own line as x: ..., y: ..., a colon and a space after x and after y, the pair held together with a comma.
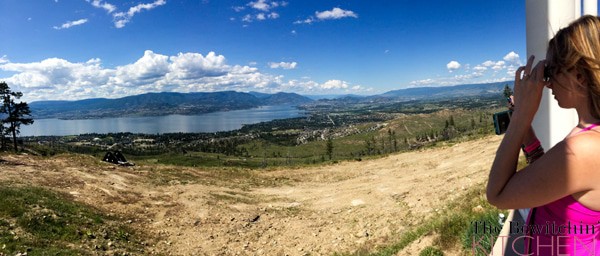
x: 590, y: 7
x: 544, y: 18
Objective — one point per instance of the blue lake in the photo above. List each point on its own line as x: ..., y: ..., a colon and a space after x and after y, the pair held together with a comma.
x: 210, y: 122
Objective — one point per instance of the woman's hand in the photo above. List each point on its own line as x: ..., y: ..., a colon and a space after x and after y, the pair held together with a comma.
x: 529, y: 84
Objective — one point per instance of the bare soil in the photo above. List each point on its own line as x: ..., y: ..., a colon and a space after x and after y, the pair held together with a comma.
x: 296, y: 211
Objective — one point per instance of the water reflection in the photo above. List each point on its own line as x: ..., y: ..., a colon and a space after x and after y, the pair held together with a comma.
x: 211, y: 122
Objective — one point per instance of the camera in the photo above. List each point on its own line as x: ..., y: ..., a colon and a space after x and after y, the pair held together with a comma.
x: 501, y: 121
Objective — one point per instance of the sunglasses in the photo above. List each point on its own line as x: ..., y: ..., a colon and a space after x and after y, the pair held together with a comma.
x: 549, y: 71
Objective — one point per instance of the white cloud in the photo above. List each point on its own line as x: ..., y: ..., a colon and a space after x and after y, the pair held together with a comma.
x: 487, y: 72
x: 488, y: 63
x: 283, y: 65
x: 260, y: 5
x: 335, y: 84
x: 512, y: 57
x: 335, y: 13
x: 57, y: 79
x: 423, y: 82
x: 480, y: 68
x: 247, y: 18
x: 308, y: 20
x: 71, y: 24
x: 453, y: 65
x: 499, y: 65
x: 122, y: 18
x: 106, y: 6
x: 238, y: 8
x: 264, y: 7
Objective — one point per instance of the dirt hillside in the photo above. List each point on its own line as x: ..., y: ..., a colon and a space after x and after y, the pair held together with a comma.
x: 308, y: 211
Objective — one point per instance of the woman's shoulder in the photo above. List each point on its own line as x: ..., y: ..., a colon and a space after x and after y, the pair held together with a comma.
x: 584, y: 139
x: 582, y: 146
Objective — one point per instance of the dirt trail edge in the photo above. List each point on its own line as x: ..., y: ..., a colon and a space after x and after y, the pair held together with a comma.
x: 307, y: 211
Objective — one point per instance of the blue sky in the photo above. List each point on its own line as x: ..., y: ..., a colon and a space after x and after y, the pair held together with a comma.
x: 76, y: 49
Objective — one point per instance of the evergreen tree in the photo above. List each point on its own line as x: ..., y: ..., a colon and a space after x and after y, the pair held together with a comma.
x: 329, y: 148
x: 14, y: 112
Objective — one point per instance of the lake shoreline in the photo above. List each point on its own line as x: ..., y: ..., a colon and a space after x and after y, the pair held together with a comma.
x: 175, y: 123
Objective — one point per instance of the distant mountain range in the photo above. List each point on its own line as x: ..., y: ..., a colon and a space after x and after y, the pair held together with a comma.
x: 465, y: 90
x: 166, y: 103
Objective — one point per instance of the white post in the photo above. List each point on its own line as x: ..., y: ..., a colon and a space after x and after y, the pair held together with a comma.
x: 590, y: 7
x: 544, y: 18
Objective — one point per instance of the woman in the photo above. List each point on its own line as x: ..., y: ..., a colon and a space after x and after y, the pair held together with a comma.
x: 561, y: 186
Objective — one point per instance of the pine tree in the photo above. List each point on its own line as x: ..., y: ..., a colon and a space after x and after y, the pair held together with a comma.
x: 14, y: 113
x: 329, y: 147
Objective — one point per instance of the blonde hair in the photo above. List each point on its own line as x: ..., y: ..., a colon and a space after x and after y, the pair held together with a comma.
x: 578, y: 47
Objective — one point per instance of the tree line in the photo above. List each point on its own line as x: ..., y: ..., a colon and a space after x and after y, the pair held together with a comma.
x: 13, y: 114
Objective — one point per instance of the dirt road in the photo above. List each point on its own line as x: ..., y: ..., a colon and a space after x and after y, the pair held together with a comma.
x: 308, y: 211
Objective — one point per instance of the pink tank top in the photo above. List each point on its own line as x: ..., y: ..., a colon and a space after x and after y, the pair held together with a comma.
x: 564, y: 227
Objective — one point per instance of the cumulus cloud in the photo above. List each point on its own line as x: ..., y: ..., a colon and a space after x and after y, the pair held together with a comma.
x: 453, y: 65
x: 264, y: 8
x: 283, y: 65
x: 494, y: 65
x: 512, y: 57
x: 486, y: 72
x: 57, y: 78
x: 266, y: 5
x: 335, y: 84
x: 71, y: 24
x: 335, y: 13
x: 260, y: 5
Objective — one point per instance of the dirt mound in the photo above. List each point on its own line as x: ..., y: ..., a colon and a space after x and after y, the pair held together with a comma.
x: 319, y: 210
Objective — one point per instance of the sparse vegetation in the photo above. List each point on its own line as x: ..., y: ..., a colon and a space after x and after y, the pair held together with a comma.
x: 452, y: 228
x: 37, y: 221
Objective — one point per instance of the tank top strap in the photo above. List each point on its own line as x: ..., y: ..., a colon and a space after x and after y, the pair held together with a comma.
x: 592, y: 126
